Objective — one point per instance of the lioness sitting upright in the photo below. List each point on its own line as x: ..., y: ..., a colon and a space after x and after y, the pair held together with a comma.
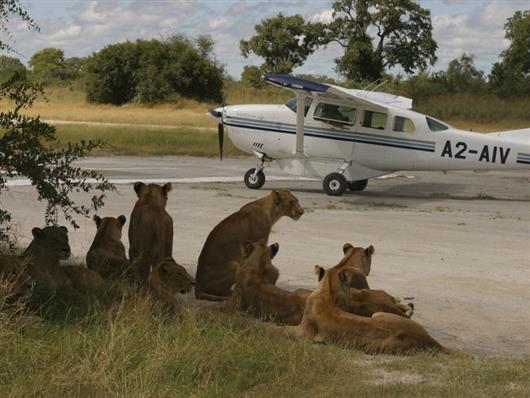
x: 221, y: 253
x: 255, y: 294
x: 107, y: 252
x: 324, y: 320
x: 150, y: 229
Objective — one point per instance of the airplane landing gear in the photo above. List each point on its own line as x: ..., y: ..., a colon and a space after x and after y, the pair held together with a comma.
x: 335, y: 184
x: 357, y: 186
x: 254, y: 178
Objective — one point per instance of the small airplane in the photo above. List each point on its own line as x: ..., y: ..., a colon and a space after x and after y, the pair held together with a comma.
x: 346, y: 136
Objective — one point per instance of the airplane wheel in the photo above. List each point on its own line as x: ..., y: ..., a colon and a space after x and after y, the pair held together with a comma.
x: 335, y: 184
x: 357, y: 185
x: 254, y: 182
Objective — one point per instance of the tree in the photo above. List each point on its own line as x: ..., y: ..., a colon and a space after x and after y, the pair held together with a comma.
x: 48, y: 65
x: 511, y: 76
x: 463, y: 76
x: 74, y: 67
x: 8, y: 9
x: 25, y: 147
x: 403, y: 36
x: 148, y: 71
x: 252, y: 75
x: 10, y: 66
x: 284, y: 42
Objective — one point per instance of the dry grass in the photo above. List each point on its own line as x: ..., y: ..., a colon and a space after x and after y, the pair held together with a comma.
x: 144, y: 141
x: 65, y: 103
x: 478, y: 112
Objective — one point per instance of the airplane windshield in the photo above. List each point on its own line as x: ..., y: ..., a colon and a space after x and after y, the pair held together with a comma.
x: 435, y: 125
x: 291, y: 104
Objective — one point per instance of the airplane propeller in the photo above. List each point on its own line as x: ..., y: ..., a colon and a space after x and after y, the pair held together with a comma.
x: 221, y: 137
x: 220, y: 129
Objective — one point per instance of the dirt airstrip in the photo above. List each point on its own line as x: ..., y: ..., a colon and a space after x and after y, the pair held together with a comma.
x: 459, y: 243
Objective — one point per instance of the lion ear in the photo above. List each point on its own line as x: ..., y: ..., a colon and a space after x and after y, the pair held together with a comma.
x: 64, y: 229
x: 138, y: 187
x: 346, y: 247
x: 167, y: 187
x: 36, y: 232
x: 369, y: 251
x: 246, y: 248
x: 122, y: 219
x: 274, y: 249
x: 320, y: 272
x: 97, y: 220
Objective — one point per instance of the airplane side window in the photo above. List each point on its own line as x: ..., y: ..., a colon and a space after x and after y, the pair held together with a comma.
x: 374, y: 120
x: 291, y: 104
x: 331, y: 113
x: 435, y: 125
x: 404, y: 125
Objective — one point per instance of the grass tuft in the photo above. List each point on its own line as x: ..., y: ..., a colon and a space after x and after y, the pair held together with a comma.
x: 120, y: 344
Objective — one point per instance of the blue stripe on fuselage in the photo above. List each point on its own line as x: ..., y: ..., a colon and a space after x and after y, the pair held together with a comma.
x: 427, y: 146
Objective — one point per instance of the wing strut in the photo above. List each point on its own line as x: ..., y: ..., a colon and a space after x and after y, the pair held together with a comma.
x: 300, y: 115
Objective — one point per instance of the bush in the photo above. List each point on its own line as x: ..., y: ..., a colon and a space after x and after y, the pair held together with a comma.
x: 149, y: 71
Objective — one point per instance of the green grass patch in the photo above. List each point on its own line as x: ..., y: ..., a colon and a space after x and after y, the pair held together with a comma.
x: 143, y: 141
x: 130, y: 347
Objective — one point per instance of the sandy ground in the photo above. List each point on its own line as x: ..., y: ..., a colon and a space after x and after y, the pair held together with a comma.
x: 459, y: 243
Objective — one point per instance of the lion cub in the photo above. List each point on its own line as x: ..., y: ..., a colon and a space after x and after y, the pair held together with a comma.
x: 107, y: 252
x: 167, y: 280
x: 221, y: 254
x: 254, y: 293
x: 324, y: 320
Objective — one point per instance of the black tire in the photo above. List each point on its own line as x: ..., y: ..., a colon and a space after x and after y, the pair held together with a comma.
x: 335, y: 184
x: 359, y: 185
x: 254, y: 183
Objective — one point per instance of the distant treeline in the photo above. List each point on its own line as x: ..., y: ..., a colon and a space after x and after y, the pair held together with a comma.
x: 151, y: 71
x: 144, y: 71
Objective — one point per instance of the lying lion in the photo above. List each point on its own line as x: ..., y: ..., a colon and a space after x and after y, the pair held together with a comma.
x: 167, y: 280
x: 221, y: 254
x: 362, y: 300
x: 255, y: 294
x: 325, y: 320
x: 107, y: 252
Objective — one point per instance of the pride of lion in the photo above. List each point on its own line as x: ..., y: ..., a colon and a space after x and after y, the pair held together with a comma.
x: 234, y: 267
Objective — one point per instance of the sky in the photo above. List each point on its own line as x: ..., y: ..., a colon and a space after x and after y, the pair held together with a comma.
x: 81, y: 27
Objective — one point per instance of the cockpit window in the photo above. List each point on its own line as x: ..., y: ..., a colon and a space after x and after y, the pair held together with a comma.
x: 291, y: 104
x: 335, y: 113
x: 435, y: 125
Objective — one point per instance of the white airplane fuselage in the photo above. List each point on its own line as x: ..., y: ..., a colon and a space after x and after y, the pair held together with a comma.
x: 361, y: 152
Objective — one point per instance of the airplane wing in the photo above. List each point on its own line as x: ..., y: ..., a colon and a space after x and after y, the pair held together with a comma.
x: 374, y: 99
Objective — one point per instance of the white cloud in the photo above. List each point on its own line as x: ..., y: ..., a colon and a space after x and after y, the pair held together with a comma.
x: 81, y: 27
x: 479, y: 31
x: 324, y: 16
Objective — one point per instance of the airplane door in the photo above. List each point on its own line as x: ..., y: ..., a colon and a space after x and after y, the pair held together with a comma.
x: 328, y: 131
